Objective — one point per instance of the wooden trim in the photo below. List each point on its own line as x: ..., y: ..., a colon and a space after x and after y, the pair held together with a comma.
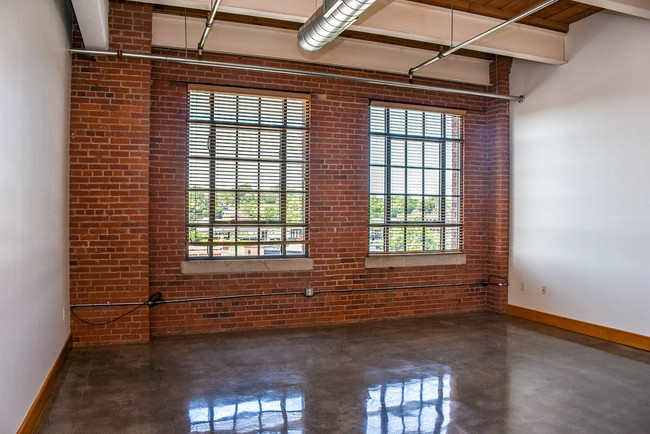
x: 585, y: 328
x: 34, y: 413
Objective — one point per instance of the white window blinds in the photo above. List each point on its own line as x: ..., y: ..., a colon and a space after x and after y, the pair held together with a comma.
x: 247, y: 173
x: 416, y: 179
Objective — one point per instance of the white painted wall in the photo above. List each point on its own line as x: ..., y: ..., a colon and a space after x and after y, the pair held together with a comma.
x: 581, y: 177
x: 34, y: 137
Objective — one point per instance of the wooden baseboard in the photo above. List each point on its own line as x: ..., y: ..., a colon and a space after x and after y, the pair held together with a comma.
x: 585, y: 328
x: 34, y: 413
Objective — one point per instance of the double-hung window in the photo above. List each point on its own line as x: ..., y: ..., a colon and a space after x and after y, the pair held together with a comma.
x: 246, y: 174
x: 416, y: 179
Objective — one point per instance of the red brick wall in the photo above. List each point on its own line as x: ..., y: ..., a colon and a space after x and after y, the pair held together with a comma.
x: 338, y: 204
x: 338, y: 214
x: 109, y: 182
x: 498, y: 182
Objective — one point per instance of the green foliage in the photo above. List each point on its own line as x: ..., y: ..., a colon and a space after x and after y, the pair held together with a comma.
x: 413, y: 205
x: 198, y: 204
x: 376, y: 208
x: 431, y: 206
x: 406, y: 238
x: 198, y: 208
x: 295, y: 207
x: 250, y: 204
x: 194, y: 236
x: 413, y: 238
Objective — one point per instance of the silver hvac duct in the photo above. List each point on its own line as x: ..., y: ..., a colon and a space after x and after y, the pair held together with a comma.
x: 329, y: 21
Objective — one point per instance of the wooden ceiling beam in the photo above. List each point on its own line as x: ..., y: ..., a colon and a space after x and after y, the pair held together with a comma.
x: 290, y: 25
x: 502, y: 14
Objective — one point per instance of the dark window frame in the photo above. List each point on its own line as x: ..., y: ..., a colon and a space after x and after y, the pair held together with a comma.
x: 247, y: 174
x: 436, y: 223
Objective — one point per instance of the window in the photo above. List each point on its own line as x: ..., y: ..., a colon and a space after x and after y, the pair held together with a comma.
x: 247, y: 174
x: 416, y: 179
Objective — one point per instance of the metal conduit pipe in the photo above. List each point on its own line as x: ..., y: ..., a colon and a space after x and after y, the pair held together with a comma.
x: 271, y: 294
x: 208, y: 26
x: 480, y: 36
x: 399, y: 84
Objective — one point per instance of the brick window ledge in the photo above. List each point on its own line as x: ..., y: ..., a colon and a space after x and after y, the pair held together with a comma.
x: 225, y: 266
x: 421, y: 260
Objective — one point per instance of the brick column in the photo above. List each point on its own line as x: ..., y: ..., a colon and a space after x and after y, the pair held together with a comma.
x: 498, y: 181
x: 109, y: 177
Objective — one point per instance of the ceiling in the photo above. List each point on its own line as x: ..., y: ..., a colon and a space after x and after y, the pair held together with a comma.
x: 557, y: 16
x: 391, y: 35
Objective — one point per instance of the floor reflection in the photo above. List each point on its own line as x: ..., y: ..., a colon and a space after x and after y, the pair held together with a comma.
x: 416, y: 405
x: 416, y: 375
x: 249, y: 415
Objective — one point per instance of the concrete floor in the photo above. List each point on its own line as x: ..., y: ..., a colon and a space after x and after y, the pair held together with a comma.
x: 472, y: 373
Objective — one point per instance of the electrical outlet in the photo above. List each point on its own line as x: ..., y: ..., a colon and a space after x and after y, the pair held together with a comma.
x: 64, y: 314
x: 523, y: 286
x: 543, y: 290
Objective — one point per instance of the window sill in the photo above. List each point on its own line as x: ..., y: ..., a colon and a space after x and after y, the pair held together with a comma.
x: 422, y: 260
x: 246, y: 266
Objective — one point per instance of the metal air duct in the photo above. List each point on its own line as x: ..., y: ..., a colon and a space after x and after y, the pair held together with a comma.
x: 329, y: 21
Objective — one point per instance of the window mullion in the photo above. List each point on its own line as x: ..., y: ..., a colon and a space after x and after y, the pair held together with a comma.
x: 443, y: 185
x: 212, y: 146
x: 283, y: 178
x: 259, y: 190
x: 406, y: 184
x: 236, y: 216
x: 422, y: 208
x: 387, y: 180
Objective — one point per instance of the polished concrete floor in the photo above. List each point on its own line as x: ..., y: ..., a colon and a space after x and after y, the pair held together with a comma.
x: 472, y: 373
